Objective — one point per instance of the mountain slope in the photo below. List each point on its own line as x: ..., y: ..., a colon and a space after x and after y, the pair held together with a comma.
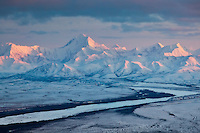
x: 65, y: 53
x: 83, y: 57
x: 176, y: 50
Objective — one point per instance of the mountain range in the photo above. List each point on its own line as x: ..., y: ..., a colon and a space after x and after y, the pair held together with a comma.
x: 83, y: 57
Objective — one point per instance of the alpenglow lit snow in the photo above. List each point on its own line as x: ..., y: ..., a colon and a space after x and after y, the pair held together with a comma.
x: 83, y: 57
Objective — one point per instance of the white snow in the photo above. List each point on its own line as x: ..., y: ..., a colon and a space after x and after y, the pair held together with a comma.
x: 52, y: 115
x: 90, y: 68
x: 144, y: 84
x: 177, y: 93
x: 177, y: 51
x: 85, y: 57
x: 180, y: 116
x: 185, y: 120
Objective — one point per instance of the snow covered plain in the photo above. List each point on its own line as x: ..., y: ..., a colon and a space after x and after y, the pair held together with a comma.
x: 18, y: 93
x: 21, y: 94
x: 81, y: 90
x: 167, y: 117
x: 58, y: 114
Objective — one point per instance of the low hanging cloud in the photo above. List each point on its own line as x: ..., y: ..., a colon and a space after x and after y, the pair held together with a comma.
x: 167, y: 28
x: 179, y: 11
x: 40, y: 32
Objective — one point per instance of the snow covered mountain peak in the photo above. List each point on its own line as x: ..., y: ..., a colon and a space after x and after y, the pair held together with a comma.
x: 82, y: 56
x: 154, y: 49
x: 176, y: 50
x: 156, y: 46
x: 9, y: 44
x: 78, y: 40
x: 82, y: 41
x: 177, y: 45
x: 192, y: 62
x: 81, y: 37
x: 117, y: 47
x: 17, y: 51
x: 160, y: 45
x: 93, y: 44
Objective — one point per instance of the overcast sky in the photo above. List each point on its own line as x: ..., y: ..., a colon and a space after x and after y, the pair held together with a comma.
x: 129, y: 23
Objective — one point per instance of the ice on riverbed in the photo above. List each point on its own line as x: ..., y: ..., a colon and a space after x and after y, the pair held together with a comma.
x: 146, y: 84
x: 57, y: 114
x: 177, y: 93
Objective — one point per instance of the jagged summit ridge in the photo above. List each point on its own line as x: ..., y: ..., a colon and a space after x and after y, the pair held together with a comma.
x: 117, y: 47
x: 176, y: 50
x: 82, y: 56
x: 82, y: 41
x: 160, y: 45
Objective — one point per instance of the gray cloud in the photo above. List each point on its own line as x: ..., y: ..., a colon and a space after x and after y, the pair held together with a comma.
x: 194, y: 34
x: 110, y: 37
x: 2, y: 32
x: 42, y: 32
x: 167, y: 28
x: 180, y: 11
x: 130, y: 28
x: 8, y: 31
x: 38, y: 32
x: 115, y: 27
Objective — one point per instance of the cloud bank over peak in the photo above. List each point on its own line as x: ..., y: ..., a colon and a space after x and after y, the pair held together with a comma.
x: 129, y: 22
x: 105, y: 10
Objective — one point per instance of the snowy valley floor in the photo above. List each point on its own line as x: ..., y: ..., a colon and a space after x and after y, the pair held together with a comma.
x: 177, y: 116
x: 173, y: 116
x: 98, y: 106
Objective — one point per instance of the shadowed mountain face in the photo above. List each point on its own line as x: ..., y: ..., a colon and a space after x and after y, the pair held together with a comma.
x: 83, y: 57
